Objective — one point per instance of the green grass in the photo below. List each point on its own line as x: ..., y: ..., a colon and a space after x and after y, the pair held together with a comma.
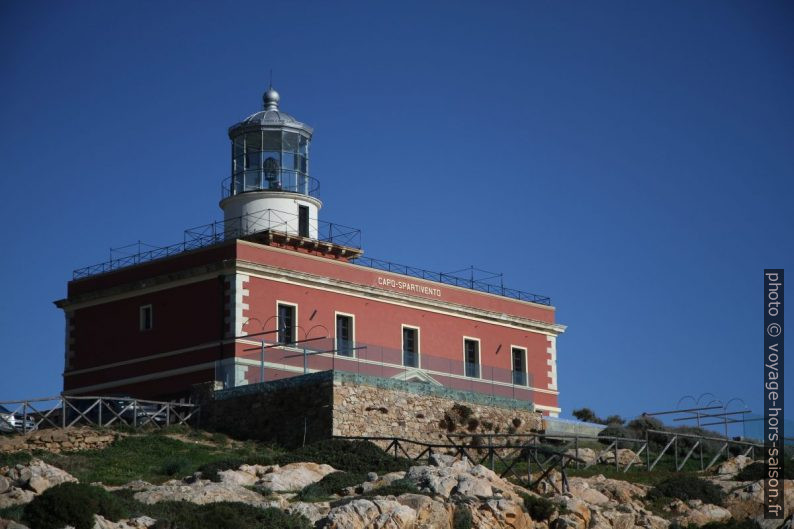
x: 153, y: 458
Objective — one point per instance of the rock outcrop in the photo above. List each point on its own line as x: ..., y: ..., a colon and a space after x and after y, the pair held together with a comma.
x: 21, y: 483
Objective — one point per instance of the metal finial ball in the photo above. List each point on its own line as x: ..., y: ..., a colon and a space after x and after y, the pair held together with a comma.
x: 271, y: 99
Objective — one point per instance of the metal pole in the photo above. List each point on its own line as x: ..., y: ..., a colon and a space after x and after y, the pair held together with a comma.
x: 576, y: 446
x: 305, y: 362
x: 262, y: 363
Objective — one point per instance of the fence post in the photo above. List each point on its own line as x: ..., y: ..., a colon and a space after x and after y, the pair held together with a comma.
x: 100, y: 412
x: 617, y: 442
x: 576, y: 447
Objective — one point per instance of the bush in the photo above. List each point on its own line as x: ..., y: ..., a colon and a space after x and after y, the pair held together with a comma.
x: 612, y: 431
x: 71, y: 504
x: 174, y: 466
x: 462, y: 517
x: 395, y: 488
x: 331, y: 484
x: 639, y: 426
x: 463, y: 412
x: 747, y: 523
x: 687, y: 488
x: 586, y: 415
x: 224, y: 515
x: 755, y: 472
x: 210, y: 470
x: 615, y: 419
x: 350, y: 456
x: 539, y: 509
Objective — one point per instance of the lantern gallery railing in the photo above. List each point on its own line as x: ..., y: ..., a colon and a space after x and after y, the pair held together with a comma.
x: 287, y: 180
x: 272, y: 361
x: 221, y: 231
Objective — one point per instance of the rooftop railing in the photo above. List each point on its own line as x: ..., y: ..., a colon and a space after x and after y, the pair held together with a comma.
x: 272, y: 361
x: 482, y: 284
x: 218, y: 232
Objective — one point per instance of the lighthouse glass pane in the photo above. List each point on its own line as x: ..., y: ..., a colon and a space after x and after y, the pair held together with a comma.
x: 238, y: 145
x: 253, y: 141
x: 304, y: 146
x: 271, y: 140
x: 290, y: 142
x: 303, y: 166
x: 288, y: 160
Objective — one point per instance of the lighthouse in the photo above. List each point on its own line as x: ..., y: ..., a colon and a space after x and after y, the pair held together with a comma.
x: 270, y: 187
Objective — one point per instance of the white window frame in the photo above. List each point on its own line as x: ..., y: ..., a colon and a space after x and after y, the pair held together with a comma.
x: 526, y: 364
x: 141, y: 319
x: 336, y: 338
x: 418, y: 330
x: 295, y: 337
x: 479, y: 356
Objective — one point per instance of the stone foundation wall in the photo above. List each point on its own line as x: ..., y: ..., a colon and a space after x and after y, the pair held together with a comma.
x: 319, y: 405
x: 381, y: 408
x: 57, y: 440
x: 286, y: 411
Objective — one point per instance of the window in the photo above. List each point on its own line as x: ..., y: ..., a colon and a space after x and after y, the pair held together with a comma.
x: 344, y: 335
x: 145, y: 318
x: 519, y: 366
x: 286, y: 323
x: 471, y: 357
x: 410, y: 346
x: 303, y: 221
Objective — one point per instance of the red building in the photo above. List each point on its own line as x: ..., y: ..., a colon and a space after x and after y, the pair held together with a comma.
x: 272, y: 291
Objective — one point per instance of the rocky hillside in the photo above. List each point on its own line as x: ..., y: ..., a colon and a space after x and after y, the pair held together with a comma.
x: 191, y: 480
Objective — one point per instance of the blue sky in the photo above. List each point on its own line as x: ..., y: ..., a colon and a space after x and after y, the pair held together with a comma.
x: 631, y: 160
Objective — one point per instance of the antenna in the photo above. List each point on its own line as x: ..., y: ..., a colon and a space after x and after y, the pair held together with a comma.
x: 271, y: 78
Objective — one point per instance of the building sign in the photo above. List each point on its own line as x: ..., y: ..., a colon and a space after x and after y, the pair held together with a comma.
x: 408, y: 287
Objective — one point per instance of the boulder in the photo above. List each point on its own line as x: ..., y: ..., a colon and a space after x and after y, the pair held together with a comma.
x: 5, y: 485
x: 142, y: 522
x: 15, y: 496
x: 588, y: 455
x: 698, y: 513
x: 11, y: 524
x: 312, y: 511
x: 365, y: 514
x: 202, y: 492
x: 625, y: 456
x: 733, y: 465
x: 499, y: 514
x: 294, y: 476
x: 430, y: 513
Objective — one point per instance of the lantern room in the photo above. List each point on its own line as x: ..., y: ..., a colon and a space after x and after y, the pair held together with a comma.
x: 270, y: 186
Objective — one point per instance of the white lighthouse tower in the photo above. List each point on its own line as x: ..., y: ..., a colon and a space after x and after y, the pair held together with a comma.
x: 270, y: 187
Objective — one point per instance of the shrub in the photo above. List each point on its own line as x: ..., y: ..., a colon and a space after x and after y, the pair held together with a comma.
x: 174, y: 466
x: 586, y: 415
x: 71, y: 504
x: 615, y: 419
x: 516, y: 422
x: 210, y: 470
x: 463, y: 412
x: 755, y: 472
x: 224, y: 515
x: 472, y: 424
x: 461, y: 519
x: 395, y: 488
x: 539, y: 509
x: 350, y: 456
x: 687, y: 488
x: 612, y: 431
x: 331, y: 484
x: 219, y: 438
x: 642, y: 424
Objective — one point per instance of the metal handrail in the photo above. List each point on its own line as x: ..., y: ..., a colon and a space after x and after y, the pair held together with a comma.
x: 451, y: 279
x: 225, y: 230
